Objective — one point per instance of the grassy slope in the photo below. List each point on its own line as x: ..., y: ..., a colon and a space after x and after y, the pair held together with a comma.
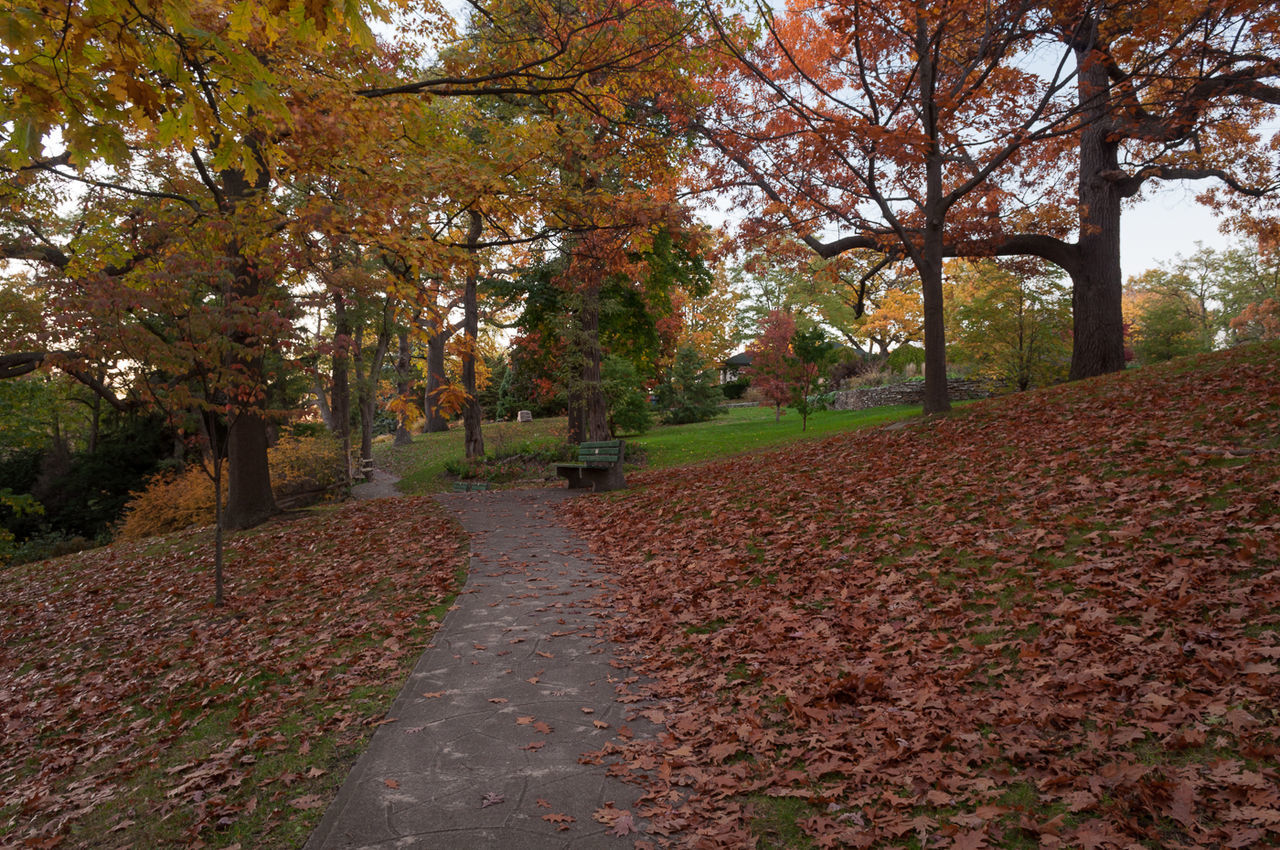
x: 134, y: 714
x: 421, y: 466
x: 1048, y: 620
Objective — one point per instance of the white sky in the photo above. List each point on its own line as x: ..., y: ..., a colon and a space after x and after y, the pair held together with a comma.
x: 1164, y: 225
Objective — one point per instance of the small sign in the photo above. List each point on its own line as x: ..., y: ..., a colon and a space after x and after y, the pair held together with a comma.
x: 524, y: 416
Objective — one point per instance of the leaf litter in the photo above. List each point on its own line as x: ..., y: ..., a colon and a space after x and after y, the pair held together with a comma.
x: 1045, y: 618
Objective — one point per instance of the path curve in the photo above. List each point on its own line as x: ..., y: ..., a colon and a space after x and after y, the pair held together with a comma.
x: 516, y: 685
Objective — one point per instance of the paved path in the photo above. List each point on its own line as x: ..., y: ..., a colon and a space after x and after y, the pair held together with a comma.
x: 484, y: 749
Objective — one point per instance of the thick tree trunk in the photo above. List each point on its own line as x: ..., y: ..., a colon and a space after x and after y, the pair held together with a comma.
x: 249, y: 497
x: 436, y: 423
x: 403, y: 437
x: 1096, y: 283
x: 936, y: 397
x: 577, y: 410
x: 472, y: 416
x: 322, y: 402
x: 597, y: 406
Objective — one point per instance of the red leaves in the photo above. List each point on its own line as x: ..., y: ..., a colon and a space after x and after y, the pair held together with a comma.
x: 1034, y: 606
x: 112, y: 660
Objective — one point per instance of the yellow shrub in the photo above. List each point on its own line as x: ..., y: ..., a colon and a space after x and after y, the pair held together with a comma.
x: 173, y: 501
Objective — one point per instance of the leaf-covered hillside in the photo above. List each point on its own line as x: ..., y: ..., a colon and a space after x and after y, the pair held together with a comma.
x: 1049, y: 620
x: 133, y: 713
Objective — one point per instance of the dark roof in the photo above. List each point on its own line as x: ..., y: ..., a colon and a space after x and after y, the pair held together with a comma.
x: 741, y: 359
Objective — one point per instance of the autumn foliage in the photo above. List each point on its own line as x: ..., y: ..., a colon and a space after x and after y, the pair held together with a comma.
x: 174, y: 501
x: 1052, y: 621
x: 116, y: 676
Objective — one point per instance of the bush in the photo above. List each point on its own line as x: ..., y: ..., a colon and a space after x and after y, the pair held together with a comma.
x: 736, y: 389
x: 903, y: 357
x: 172, y: 501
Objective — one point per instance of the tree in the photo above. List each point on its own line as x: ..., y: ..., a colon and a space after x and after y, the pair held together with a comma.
x: 183, y: 116
x: 688, y: 391
x: 627, y: 397
x: 890, y: 121
x: 1010, y: 322
x: 813, y: 353
x: 1176, y: 95
x: 773, y: 369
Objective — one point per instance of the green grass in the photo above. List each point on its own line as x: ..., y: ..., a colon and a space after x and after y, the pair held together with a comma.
x: 746, y: 429
x: 421, y: 466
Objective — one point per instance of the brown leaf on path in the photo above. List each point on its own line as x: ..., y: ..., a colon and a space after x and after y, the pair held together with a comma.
x: 542, y: 727
x: 498, y: 700
x: 624, y: 825
x: 491, y: 799
x: 435, y: 694
x: 524, y: 720
x: 543, y: 804
x: 391, y: 783
x: 559, y: 817
x: 535, y: 745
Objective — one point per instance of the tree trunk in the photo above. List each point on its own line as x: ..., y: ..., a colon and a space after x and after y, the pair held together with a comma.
x: 249, y: 497
x: 436, y: 423
x: 322, y: 402
x: 342, y: 380
x: 367, y: 382
x: 1096, y: 282
x: 472, y: 416
x: 576, y: 410
x: 928, y: 260
x: 403, y: 437
x: 597, y: 407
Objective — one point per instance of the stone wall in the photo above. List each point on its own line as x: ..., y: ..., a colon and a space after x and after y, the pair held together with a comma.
x: 907, y: 392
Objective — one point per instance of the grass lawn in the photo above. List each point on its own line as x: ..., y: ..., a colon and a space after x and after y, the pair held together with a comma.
x: 421, y: 466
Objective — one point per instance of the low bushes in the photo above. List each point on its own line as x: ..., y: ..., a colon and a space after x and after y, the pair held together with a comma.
x: 303, y: 468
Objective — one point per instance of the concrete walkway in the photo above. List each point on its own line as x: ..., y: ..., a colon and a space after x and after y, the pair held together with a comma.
x: 484, y: 751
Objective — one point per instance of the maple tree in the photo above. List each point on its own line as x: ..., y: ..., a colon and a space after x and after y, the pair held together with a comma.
x: 1083, y: 653
x: 182, y: 118
x: 773, y: 369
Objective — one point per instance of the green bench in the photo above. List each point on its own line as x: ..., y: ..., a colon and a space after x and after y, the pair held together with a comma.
x: 599, y: 467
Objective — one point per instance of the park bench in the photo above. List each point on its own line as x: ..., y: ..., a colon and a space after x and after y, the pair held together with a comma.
x: 468, y: 486
x: 599, y: 467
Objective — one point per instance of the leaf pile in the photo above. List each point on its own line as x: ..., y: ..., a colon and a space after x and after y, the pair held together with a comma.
x: 131, y: 709
x: 1047, y: 620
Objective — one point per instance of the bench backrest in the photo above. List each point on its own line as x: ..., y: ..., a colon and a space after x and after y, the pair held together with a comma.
x: 605, y: 451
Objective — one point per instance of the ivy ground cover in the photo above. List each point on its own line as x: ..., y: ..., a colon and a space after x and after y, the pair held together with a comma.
x: 134, y: 714
x: 1049, y: 620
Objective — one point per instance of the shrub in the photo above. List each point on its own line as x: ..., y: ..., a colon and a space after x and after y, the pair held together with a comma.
x: 902, y: 357
x: 735, y: 389
x: 172, y: 501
